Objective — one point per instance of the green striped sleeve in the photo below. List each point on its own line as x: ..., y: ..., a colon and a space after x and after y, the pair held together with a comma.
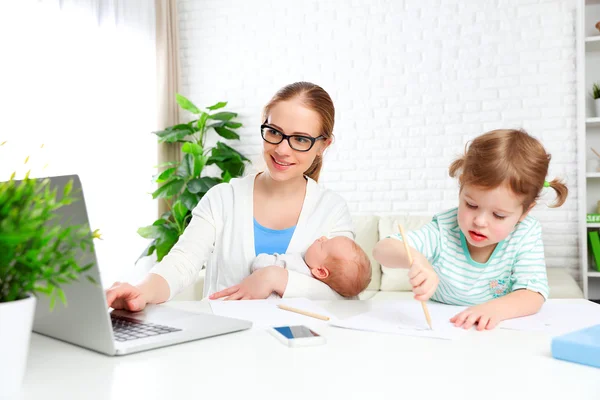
x: 529, y: 269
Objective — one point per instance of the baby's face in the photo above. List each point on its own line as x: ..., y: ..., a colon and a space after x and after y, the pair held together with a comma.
x: 317, y: 253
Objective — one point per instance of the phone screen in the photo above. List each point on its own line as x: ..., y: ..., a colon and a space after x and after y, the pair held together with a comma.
x: 295, y: 332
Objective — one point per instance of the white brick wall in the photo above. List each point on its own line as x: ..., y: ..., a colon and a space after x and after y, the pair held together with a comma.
x: 412, y: 82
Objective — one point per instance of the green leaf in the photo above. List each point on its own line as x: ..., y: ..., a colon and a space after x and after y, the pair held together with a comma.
x: 67, y: 189
x: 233, y: 125
x: 186, y: 104
x: 166, y: 164
x: 220, y: 104
x: 160, y: 221
x: 202, y: 121
x: 226, y: 133
x: 150, y: 231
x: 223, y: 116
x: 226, y: 176
x: 174, y: 133
x: 165, y: 175
x: 52, y: 300
x: 199, y: 163
x: 192, y: 148
x: 165, y: 243
x: 150, y: 249
x: 61, y: 295
x: 222, y: 148
x: 179, y: 212
x: 202, y: 185
x: 190, y: 200
x: 186, y: 169
x: 168, y: 190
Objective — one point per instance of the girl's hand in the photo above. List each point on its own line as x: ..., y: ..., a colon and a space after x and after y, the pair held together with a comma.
x: 423, y: 279
x: 485, y: 315
x: 259, y: 285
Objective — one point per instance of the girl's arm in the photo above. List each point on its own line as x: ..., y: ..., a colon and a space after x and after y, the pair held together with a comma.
x: 391, y: 253
x: 422, y: 277
x: 519, y: 303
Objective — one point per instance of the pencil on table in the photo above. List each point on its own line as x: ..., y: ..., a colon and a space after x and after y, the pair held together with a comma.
x: 410, y: 261
x: 307, y: 313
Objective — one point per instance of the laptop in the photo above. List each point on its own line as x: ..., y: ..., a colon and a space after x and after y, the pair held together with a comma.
x: 86, y: 320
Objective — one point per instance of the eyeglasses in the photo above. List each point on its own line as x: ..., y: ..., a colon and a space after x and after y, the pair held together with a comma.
x: 296, y: 142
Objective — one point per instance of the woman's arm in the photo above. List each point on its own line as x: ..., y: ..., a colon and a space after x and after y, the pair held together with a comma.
x: 300, y: 285
x: 181, y: 267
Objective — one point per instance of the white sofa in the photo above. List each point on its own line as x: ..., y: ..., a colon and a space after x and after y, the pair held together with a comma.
x: 389, y: 283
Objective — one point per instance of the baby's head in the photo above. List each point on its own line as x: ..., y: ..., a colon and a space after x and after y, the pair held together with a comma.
x: 340, y: 263
x: 501, y: 175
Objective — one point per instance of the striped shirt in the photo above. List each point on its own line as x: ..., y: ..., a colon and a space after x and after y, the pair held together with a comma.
x: 517, y: 262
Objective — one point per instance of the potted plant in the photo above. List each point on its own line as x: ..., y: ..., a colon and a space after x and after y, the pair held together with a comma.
x: 596, y: 97
x: 182, y: 184
x: 35, y: 258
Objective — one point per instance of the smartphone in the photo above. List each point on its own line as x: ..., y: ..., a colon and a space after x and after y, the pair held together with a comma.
x: 296, y: 336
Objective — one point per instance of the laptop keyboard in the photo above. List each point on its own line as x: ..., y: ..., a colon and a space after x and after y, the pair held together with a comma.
x: 125, y: 328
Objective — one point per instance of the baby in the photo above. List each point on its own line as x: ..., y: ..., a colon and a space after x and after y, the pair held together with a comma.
x: 339, y: 262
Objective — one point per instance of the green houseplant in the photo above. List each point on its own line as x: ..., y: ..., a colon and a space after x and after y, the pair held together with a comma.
x: 35, y: 258
x: 596, y: 96
x: 182, y: 184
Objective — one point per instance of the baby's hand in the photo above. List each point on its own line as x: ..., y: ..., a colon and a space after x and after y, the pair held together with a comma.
x: 423, y: 279
x: 485, y: 315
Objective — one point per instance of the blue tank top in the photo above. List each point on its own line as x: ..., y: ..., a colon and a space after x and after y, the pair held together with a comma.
x: 271, y: 241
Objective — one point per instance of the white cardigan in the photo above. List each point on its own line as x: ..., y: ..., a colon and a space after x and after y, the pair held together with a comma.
x: 221, y: 234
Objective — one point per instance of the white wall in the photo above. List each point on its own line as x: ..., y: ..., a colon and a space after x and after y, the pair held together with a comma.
x: 82, y: 83
x: 412, y: 82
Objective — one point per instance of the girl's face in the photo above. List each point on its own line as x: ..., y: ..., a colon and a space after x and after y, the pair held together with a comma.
x: 488, y: 216
x: 292, y: 118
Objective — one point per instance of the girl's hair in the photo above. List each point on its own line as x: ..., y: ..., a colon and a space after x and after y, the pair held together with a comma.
x: 315, y: 98
x: 511, y: 157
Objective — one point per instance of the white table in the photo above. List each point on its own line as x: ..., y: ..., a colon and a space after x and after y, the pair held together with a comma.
x: 498, y: 364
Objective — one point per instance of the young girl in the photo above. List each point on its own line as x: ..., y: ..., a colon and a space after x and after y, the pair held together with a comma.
x: 487, y: 253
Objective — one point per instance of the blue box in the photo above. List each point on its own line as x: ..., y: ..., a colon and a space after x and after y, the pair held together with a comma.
x: 581, y: 346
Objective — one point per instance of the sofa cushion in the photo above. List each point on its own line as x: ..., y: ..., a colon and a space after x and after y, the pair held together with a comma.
x: 395, y: 278
x: 367, y: 235
x: 562, y: 285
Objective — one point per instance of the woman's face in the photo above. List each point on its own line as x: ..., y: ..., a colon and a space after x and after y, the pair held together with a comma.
x: 292, y: 118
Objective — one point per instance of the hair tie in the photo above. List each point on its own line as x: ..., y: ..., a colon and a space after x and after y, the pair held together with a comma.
x: 546, y: 184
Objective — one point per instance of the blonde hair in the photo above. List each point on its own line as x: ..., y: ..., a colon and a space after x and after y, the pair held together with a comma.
x: 349, y: 276
x: 315, y: 98
x: 511, y: 157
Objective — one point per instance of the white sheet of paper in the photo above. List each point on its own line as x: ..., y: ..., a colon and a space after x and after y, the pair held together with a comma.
x: 557, y: 317
x: 265, y: 313
x: 405, y: 317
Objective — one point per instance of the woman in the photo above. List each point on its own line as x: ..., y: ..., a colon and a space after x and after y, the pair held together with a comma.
x: 279, y: 210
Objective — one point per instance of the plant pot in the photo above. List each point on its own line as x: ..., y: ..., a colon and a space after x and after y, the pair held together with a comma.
x: 597, y: 104
x: 16, y: 320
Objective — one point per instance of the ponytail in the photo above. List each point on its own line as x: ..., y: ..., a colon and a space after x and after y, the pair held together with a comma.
x: 561, y: 192
x: 315, y: 169
x: 456, y: 167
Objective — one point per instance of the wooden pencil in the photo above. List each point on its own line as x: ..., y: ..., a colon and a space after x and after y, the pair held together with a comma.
x: 410, y: 261
x: 307, y: 313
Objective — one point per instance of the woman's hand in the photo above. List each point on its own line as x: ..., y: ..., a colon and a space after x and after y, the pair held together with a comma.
x: 259, y: 285
x: 485, y: 315
x: 123, y: 296
x: 423, y: 279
